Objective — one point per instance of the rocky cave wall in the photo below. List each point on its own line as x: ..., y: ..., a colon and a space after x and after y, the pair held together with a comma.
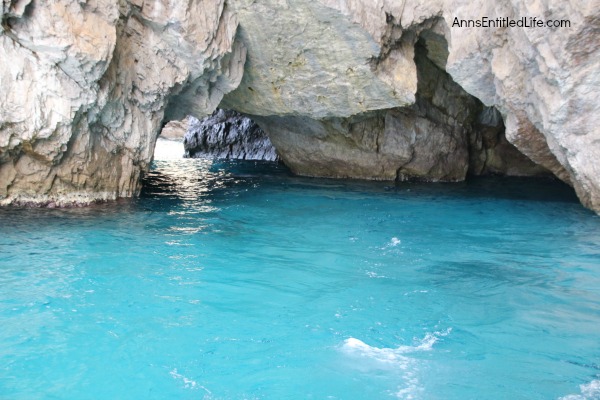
x: 227, y: 134
x: 90, y: 84
x: 445, y: 135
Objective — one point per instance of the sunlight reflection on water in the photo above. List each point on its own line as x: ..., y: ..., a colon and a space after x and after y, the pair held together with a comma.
x: 168, y: 149
x: 291, y: 287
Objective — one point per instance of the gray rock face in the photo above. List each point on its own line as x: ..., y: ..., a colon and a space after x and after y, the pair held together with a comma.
x: 305, y: 59
x: 543, y: 81
x: 490, y: 153
x: 446, y: 134
x: 228, y: 135
x: 175, y: 130
x: 90, y: 84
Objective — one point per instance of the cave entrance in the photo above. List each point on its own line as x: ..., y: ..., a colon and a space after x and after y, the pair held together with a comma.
x: 225, y: 134
x: 476, y: 130
x: 447, y: 135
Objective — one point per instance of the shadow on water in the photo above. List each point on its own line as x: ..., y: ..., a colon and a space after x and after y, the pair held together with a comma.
x: 188, y: 179
x: 175, y: 183
x: 18, y: 218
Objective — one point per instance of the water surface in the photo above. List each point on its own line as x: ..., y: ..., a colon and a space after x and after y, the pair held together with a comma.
x: 239, y: 281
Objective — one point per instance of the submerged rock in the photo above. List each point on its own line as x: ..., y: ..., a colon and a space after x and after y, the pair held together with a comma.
x: 228, y: 135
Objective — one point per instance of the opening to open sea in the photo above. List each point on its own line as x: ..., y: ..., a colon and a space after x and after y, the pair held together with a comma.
x: 237, y: 280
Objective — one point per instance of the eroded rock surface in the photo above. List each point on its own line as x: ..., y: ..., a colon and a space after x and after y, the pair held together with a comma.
x: 444, y: 136
x: 176, y: 129
x: 544, y: 81
x: 306, y: 59
x: 90, y: 83
x: 228, y: 135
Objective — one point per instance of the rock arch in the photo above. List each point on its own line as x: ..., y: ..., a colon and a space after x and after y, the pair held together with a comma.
x: 91, y: 83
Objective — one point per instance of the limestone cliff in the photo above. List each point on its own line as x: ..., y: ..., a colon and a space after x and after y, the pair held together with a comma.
x: 444, y: 135
x: 544, y: 81
x: 91, y: 82
x: 88, y: 85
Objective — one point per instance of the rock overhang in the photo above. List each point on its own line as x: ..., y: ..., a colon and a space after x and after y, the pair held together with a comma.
x: 295, y: 58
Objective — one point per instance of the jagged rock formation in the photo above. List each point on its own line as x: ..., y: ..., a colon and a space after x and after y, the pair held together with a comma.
x: 446, y: 134
x: 90, y: 83
x: 544, y: 81
x: 176, y: 129
x: 228, y: 135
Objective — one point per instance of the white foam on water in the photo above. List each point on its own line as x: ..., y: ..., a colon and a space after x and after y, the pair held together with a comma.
x: 589, y: 391
x: 397, y: 358
x: 410, y: 392
x: 357, y: 346
x: 392, y: 243
x: 416, y: 291
x: 188, y: 383
x: 372, y: 274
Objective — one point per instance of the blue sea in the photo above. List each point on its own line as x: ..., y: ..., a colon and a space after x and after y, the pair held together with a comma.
x: 237, y: 280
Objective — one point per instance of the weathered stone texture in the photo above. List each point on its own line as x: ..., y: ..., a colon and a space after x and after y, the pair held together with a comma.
x: 228, y: 135
x: 305, y: 59
x: 90, y: 83
x: 544, y: 81
x: 446, y: 134
x: 175, y: 130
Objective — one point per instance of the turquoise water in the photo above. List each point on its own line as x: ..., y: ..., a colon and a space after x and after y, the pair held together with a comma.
x: 239, y: 281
